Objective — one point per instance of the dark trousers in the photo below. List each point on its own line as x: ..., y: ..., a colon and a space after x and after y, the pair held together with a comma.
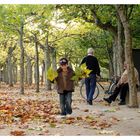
x: 122, y: 89
x: 65, y: 103
x: 90, y: 83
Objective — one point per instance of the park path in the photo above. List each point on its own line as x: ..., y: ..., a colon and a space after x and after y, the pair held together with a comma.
x: 36, y: 114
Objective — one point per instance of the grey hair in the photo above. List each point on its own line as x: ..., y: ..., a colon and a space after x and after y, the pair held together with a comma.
x: 90, y: 51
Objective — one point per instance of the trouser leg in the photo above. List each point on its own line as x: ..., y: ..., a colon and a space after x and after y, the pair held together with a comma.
x: 68, y: 103
x: 123, y: 92
x: 62, y: 104
x: 115, y: 94
x: 92, y: 86
x: 87, y: 85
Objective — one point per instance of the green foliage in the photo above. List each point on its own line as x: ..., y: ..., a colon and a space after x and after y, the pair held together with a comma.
x: 3, y: 56
x: 135, y: 25
x: 71, y: 29
x: 51, y: 74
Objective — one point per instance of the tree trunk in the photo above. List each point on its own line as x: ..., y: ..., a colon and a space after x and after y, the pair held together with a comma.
x: 15, y: 69
x: 53, y: 53
x: 25, y: 73
x: 110, y: 57
x: 15, y: 73
x: 9, y: 66
x: 21, y: 58
x: 115, y: 62
x: 133, y: 102
x: 35, y: 73
x: 29, y: 71
x: 47, y: 64
x: 6, y: 80
x: 120, y: 47
x: 37, y: 65
x: 42, y: 73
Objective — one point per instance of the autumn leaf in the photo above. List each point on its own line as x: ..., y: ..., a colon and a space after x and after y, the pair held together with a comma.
x: 51, y: 74
x: 17, y: 133
x: 79, y: 118
x: 103, y: 124
x: 86, y: 110
x: 52, y: 125
x: 81, y: 72
x: 110, y: 110
x: 2, y: 127
x: 69, y: 121
x: 78, y: 74
x: 84, y: 70
x: 106, y: 132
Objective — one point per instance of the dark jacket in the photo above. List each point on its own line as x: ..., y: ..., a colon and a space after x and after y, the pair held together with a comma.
x: 69, y: 82
x: 92, y: 64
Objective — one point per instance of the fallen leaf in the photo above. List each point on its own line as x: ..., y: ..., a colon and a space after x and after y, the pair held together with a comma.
x: 106, y: 132
x: 110, y: 110
x: 2, y: 127
x: 114, y: 119
x: 86, y: 110
x: 17, y: 133
x: 23, y: 126
x: 52, y: 125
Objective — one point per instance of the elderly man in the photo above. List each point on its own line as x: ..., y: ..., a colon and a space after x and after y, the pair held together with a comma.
x: 122, y: 87
x: 92, y: 64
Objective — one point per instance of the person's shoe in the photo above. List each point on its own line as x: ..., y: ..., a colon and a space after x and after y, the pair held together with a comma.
x: 121, y: 103
x: 107, y: 100
x: 90, y: 102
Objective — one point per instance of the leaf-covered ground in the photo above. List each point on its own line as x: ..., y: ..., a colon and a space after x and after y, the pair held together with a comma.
x: 35, y: 114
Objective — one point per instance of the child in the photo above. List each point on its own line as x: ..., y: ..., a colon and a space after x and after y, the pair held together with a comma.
x: 65, y: 86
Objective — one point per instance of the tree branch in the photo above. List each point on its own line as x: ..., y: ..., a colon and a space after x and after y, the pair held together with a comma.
x: 96, y: 20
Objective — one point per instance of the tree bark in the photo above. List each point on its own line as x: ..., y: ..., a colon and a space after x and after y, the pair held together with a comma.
x: 15, y: 73
x: 29, y: 71
x: 110, y: 57
x: 47, y: 64
x: 21, y: 57
x: 9, y: 66
x: 53, y: 54
x: 37, y: 64
x: 42, y: 72
x: 115, y: 59
x: 26, y: 71
x: 6, y: 80
x: 120, y: 47
x: 133, y: 102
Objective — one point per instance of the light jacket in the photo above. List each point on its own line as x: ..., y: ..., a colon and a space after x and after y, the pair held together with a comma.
x: 124, y: 77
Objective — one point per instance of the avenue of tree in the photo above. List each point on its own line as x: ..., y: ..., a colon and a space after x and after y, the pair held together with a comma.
x: 34, y: 37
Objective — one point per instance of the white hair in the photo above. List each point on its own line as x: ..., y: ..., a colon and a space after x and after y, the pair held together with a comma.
x: 90, y: 51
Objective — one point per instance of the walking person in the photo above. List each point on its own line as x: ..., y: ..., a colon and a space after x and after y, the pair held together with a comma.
x: 65, y: 87
x: 90, y: 82
x: 122, y: 87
